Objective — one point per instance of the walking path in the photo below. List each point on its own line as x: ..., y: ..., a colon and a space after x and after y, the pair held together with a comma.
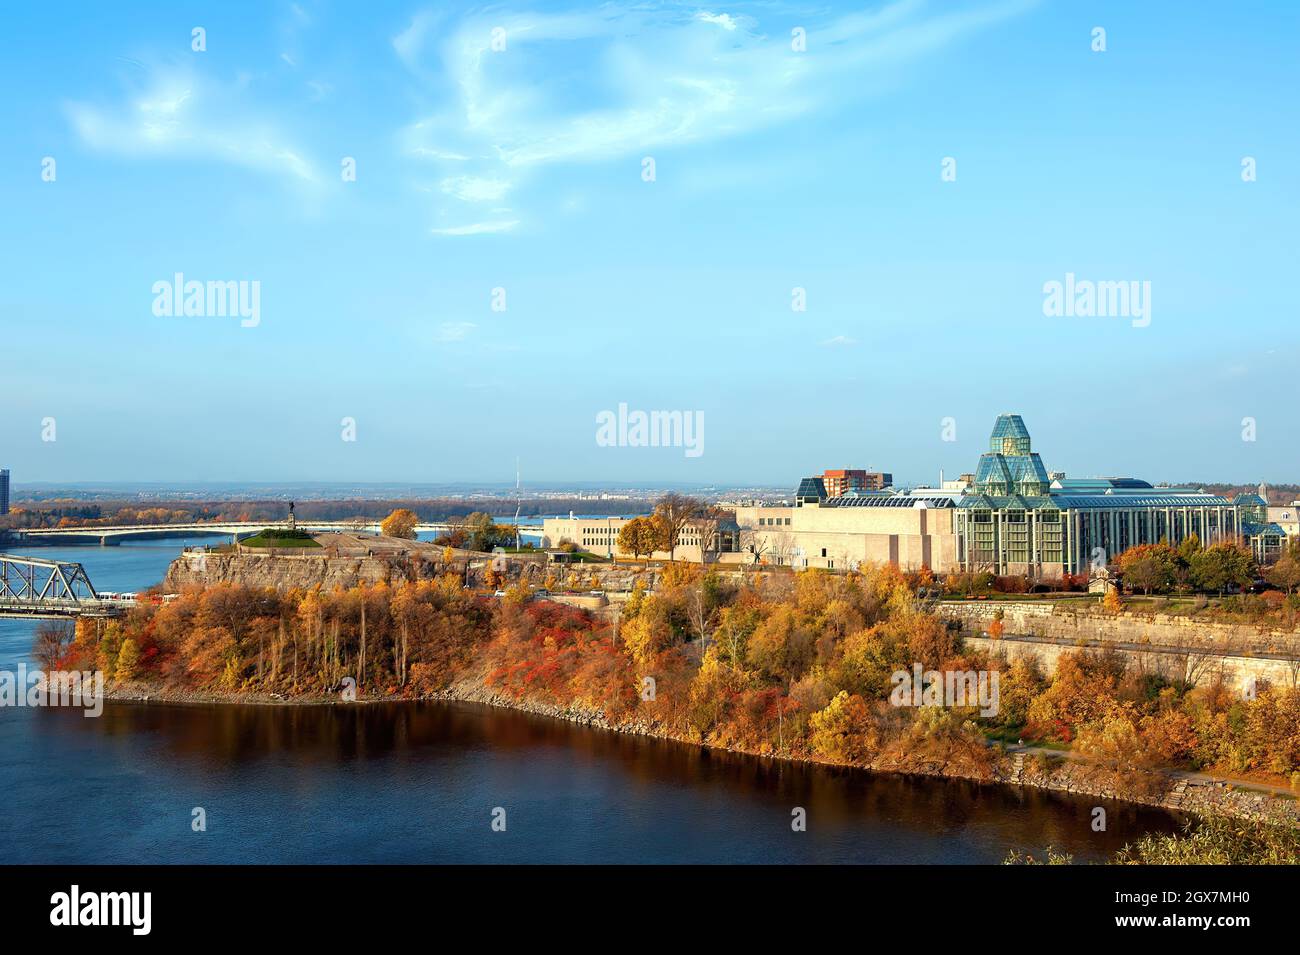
x: 1184, y: 774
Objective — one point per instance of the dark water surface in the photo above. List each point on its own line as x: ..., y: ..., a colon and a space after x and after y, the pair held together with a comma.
x: 419, y: 783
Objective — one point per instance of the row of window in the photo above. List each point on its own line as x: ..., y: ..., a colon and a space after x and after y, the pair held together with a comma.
x: 1016, y: 516
x: 1113, y: 532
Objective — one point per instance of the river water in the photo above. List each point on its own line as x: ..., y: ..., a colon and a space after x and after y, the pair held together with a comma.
x: 422, y: 783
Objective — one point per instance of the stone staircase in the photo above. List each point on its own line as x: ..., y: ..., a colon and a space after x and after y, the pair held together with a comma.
x: 1017, y: 767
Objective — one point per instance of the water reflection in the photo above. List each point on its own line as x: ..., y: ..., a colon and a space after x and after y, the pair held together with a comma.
x: 417, y: 782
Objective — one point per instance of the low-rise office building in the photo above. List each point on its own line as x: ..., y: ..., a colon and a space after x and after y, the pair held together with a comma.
x: 718, y: 539
x: 843, y: 481
x: 839, y: 533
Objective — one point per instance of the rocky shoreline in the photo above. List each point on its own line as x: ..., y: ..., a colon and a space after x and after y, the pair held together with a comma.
x: 1164, y: 790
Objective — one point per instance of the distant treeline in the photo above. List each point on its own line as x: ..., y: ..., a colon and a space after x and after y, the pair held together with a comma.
x: 71, y: 513
x: 1277, y: 493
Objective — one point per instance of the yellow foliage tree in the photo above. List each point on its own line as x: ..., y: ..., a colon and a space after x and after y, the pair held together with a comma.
x: 649, y: 633
x: 128, y: 661
x: 638, y: 536
x: 678, y: 574
x: 400, y: 523
x: 844, y: 731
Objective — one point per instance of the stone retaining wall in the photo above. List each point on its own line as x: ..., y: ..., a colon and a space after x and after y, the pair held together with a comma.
x: 1072, y: 621
x: 1235, y: 670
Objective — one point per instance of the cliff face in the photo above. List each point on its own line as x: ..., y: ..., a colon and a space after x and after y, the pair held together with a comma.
x: 287, y: 572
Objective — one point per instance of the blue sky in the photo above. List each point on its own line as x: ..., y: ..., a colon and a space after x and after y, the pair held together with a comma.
x: 521, y: 169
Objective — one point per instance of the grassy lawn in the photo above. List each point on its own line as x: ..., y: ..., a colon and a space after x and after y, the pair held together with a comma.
x: 1011, y: 736
x: 996, y: 596
x: 1002, y: 734
x: 271, y: 538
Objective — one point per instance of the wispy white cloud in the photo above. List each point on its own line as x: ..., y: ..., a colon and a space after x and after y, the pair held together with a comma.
x: 426, y: 152
x: 839, y: 341
x: 475, y: 188
x: 478, y: 228
x: 723, y: 20
x: 409, y: 43
x: 454, y: 331
x: 665, y: 78
x: 180, y: 115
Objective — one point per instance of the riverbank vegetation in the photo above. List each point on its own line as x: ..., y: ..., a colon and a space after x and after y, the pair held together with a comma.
x: 797, y: 665
x: 1211, y: 840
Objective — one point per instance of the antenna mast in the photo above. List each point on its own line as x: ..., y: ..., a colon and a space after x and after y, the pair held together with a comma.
x: 519, y: 504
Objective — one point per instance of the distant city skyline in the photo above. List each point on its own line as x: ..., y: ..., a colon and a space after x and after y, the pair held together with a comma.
x: 848, y: 252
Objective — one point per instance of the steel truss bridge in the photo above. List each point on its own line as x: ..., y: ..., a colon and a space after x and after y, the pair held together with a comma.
x: 51, y: 590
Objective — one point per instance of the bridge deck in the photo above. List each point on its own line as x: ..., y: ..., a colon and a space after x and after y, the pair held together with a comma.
x: 228, y: 527
x: 61, y: 609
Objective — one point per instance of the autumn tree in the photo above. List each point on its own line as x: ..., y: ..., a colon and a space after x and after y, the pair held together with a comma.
x: 707, y: 524
x: 672, y: 512
x: 1222, y: 565
x: 1188, y: 548
x: 844, y: 731
x: 677, y: 575
x: 1285, y: 574
x: 638, y: 536
x: 782, y: 646
x: 650, y: 632
x: 52, y: 642
x: 128, y: 661
x: 481, y: 533
x: 700, y: 611
x: 400, y: 523
x: 1148, y: 567
x: 110, y: 644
